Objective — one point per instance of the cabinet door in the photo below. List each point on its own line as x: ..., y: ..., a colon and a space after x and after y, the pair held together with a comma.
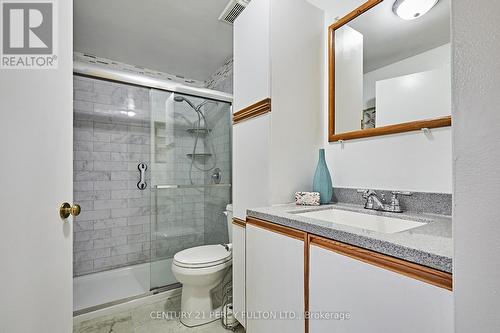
x: 239, y: 273
x: 251, y: 164
x: 274, y: 282
x: 376, y: 299
x: 251, y: 54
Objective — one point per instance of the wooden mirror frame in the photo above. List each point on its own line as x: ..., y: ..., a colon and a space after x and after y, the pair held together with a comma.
x: 365, y: 133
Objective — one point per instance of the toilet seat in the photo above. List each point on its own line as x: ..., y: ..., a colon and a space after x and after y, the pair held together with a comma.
x: 202, y: 256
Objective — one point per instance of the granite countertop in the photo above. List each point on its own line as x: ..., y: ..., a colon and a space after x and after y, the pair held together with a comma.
x: 429, y: 245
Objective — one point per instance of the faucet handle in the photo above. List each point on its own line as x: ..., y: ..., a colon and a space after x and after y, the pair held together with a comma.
x: 364, y: 192
x: 401, y: 193
x: 367, y: 193
x: 394, y: 198
x: 395, y: 206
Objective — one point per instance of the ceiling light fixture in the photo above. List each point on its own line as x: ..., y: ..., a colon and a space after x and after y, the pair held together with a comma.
x: 412, y: 9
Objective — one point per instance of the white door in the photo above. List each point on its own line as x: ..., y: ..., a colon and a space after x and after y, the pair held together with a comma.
x: 35, y: 178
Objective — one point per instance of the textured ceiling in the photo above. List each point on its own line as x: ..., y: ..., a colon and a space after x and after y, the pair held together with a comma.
x: 181, y: 37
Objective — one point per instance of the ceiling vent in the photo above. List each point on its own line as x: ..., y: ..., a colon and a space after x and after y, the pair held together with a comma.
x: 232, y: 10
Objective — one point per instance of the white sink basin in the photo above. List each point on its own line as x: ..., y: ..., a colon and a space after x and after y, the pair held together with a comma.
x: 388, y: 225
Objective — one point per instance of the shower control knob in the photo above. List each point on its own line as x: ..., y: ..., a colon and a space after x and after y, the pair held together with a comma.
x: 66, y: 210
x: 217, y: 176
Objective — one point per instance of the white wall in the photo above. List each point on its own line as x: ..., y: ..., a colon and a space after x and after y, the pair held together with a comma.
x: 438, y: 57
x: 423, y: 95
x: 408, y: 161
x: 349, y: 78
x: 476, y: 139
x: 296, y: 96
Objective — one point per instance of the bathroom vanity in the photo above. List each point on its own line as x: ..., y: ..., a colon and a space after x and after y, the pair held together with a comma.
x: 347, y: 278
x: 388, y: 110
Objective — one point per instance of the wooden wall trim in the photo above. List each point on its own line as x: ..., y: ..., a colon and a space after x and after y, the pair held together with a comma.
x: 307, y: 251
x: 355, y: 13
x: 412, y: 270
x: 294, y: 233
x: 331, y: 82
x: 239, y: 223
x: 252, y: 111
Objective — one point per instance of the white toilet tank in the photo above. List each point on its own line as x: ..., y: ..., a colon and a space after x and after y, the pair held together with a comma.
x: 229, y: 215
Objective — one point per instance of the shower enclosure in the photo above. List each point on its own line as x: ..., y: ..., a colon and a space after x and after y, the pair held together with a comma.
x: 191, y: 177
x: 152, y: 172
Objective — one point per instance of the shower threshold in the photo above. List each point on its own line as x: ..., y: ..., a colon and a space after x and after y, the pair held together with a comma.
x: 103, y: 289
x: 175, y: 288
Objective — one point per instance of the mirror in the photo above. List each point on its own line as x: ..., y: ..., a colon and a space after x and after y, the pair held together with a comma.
x: 389, y: 69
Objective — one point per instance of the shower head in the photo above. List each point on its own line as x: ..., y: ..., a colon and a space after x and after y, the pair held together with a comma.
x: 181, y: 99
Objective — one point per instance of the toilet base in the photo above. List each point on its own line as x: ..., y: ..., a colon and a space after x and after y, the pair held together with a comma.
x: 196, y: 307
x: 196, y: 301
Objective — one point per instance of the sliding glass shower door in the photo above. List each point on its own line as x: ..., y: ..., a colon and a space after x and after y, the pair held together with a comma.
x: 190, y: 177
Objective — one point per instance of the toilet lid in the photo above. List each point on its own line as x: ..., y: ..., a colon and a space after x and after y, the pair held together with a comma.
x: 202, y: 256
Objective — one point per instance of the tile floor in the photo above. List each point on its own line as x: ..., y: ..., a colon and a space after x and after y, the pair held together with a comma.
x: 138, y: 320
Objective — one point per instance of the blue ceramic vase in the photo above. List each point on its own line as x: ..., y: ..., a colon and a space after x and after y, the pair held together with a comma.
x: 322, y: 180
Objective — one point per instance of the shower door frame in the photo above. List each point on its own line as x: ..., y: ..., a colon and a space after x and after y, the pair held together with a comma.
x: 110, y: 74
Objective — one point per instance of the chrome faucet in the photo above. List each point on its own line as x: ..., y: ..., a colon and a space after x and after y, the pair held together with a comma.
x: 374, y: 202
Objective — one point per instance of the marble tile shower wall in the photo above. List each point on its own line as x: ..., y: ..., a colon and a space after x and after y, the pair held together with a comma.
x: 188, y: 217
x: 180, y: 216
x: 111, y: 136
x: 217, y: 198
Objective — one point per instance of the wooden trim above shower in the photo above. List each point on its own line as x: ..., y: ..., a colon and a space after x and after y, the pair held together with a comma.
x: 252, y: 111
x: 239, y: 222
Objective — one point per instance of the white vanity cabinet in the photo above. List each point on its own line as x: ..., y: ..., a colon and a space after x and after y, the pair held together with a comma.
x: 239, y: 301
x: 343, y: 288
x: 274, y: 279
x: 377, y: 299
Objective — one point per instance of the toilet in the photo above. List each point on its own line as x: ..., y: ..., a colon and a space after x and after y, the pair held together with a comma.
x: 200, y: 269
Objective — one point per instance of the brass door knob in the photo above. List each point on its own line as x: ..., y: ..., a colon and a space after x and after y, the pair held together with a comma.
x: 66, y: 210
